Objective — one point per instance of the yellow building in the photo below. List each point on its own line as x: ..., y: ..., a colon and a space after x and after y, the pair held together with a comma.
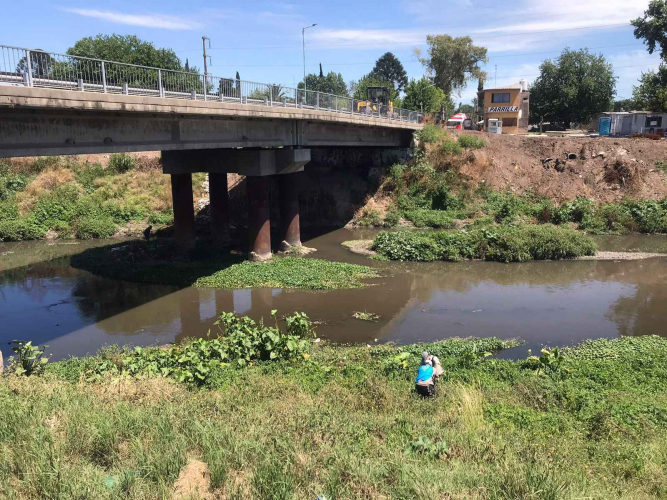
x: 506, y: 108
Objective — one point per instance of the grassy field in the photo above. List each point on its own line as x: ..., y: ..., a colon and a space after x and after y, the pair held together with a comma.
x: 343, y: 422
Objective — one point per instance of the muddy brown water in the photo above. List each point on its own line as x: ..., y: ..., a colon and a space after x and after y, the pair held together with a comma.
x: 45, y: 300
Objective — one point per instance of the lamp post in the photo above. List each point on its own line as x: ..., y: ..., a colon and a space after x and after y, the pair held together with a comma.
x: 421, y: 96
x: 303, y: 34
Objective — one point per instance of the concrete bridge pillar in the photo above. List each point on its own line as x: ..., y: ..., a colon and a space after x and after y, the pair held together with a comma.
x: 290, y: 229
x: 259, y: 225
x: 219, y: 208
x: 184, y: 212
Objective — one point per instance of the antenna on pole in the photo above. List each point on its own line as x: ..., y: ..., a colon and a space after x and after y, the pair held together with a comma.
x: 206, y: 57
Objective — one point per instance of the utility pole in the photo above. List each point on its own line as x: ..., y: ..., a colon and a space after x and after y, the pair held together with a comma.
x: 206, y: 57
x: 495, y: 83
x: 303, y: 34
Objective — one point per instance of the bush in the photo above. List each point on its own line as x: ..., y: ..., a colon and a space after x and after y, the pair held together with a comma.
x: 650, y: 216
x: 161, y: 219
x: 391, y: 218
x: 59, y: 205
x: 11, y: 184
x: 119, y: 163
x: 95, y: 227
x: 86, y: 175
x: 504, y: 244
x: 429, y: 218
x: 21, y: 229
x: 451, y: 148
x: 369, y: 217
x: 9, y: 210
x: 471, y: 142
x: 430, y: 134
x: 442, y: 199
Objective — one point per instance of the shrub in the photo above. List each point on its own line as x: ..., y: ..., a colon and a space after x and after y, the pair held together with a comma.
x: 86, y: 175
x: 391, y: 218
x: 396, y: 173
x: 11, y: 184
x: 21, y: 229
x: 429, y: 218
x: 58, y: 205
x: 471, y: 142
x: 451, y: 148
x: 430, y: 134
x: 94, y: 227
x: 504, y: 244
x: 442, y: 199
x: 123, y: 212
x: 650, y: 216
x: 119, y: 163
x: 9, y: 210
x: 161, y: 219
x: 369, y: 217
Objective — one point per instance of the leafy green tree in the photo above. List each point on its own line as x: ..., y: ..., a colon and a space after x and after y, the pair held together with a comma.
x: 652, y: 27
x: 651, y: 94
x: 624, y: 105
x: 452, y: 62
x: 127, y: 49
x: 389, y: 68
x: 332, y: 83
x: 423, y: 91
x: 572, y: 88
x: 466, y: 108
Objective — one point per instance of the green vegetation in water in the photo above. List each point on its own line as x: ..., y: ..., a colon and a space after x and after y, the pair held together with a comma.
x: 159, y: 261
x: 290, y: 272
x: 340, y: 421
x: 366, y: 316
x: 75, y: 199
x: 499, y: 243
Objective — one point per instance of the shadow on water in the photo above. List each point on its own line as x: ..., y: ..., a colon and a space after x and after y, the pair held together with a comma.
x: 46, y: 299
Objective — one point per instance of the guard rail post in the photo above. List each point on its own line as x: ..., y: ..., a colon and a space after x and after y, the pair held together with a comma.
x: 28, y: 63
x: 104, y: 78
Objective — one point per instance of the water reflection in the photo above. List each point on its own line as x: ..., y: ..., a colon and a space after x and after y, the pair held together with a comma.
x: 555, y: 303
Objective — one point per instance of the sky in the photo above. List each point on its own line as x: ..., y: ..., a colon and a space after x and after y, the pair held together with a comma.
x: 263, y: 40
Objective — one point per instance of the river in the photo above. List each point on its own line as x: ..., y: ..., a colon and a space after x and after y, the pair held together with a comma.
x: 47, y: 301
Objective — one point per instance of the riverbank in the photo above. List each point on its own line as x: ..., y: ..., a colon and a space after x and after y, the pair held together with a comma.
x: 344, y: 422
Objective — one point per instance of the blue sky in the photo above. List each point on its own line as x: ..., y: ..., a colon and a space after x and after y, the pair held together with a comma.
x: 262, y: 40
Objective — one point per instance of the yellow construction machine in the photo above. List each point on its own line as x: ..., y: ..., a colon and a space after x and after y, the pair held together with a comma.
x: 375, y: 97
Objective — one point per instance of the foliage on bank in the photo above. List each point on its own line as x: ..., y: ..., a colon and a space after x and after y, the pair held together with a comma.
x: 344, y: 422
x: 71, y: 198
x: 501, y: 243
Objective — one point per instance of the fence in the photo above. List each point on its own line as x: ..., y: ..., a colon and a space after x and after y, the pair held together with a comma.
x: 36, y: 68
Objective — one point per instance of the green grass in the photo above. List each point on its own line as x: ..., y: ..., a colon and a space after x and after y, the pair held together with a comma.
x: 499, y: 243
x: 290, y: 272
x: 345, y: 423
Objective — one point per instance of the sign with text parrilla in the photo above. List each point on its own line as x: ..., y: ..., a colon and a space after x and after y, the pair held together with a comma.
x: 503, y: 109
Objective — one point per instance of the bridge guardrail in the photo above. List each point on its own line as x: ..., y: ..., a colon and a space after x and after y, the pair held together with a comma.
x: 37, y: 68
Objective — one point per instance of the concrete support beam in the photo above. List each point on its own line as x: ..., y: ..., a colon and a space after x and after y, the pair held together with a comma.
x: 290, y: 229
x: 259, y: 225
x: 184, y: 212
x: 219, y: 208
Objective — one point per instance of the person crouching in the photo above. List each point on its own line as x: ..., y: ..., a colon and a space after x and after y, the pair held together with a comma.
x: 425, y: 383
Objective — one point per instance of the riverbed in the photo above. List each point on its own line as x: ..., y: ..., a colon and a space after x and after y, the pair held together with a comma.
x: 46, y: 300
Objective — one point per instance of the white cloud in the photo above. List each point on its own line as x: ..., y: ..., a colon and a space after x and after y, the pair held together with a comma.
x: 149, y: 21
x: 368, y: 37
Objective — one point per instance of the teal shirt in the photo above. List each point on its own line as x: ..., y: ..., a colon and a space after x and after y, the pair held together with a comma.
x: 424, y: 373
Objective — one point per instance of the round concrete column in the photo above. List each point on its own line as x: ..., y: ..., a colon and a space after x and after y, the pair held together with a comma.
x: 259, y: 225
x: 219, y: 208
x: 289, y: 212
x: 184, y: 211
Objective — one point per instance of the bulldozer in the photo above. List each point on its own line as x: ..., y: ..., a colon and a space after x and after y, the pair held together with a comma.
x: 375, y: 97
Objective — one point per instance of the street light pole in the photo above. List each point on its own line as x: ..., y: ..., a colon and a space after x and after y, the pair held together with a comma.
x: 303, y: 34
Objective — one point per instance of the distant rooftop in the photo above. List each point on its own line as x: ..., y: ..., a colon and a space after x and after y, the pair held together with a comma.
x: 513, y: 86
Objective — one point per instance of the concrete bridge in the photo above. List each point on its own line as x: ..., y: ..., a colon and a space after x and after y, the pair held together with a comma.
x: 54, y: 104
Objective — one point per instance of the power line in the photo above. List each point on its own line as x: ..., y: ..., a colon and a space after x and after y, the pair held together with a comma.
x: 419, y: 42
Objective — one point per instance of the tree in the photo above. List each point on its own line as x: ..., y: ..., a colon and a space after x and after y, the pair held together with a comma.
x: 390, y: 69
x: 466, y: 108
x: 127, y: 49
x: 651, y: 27
x: 651, y: 94
x: 332, y: 83
x: 41, y: 64
x: 453, y: 61
x: 572, y: 88
x: 624, y: 105
x: 321, y: 73
x: 423, y: 90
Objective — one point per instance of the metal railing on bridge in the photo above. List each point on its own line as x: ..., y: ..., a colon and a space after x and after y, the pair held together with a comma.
x: 36, y: 68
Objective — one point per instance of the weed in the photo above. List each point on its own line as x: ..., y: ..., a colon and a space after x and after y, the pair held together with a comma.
x: 451, y: 147
x: 365, y: 316
x: 92, y: 227
x: 430, y: 134
x: 29, y: 359
x: 471, y: 142
x: 121, y: 163
x: 369, y: 217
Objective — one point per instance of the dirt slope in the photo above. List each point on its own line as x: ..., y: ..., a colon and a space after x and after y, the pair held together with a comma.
x: 602, y: 169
